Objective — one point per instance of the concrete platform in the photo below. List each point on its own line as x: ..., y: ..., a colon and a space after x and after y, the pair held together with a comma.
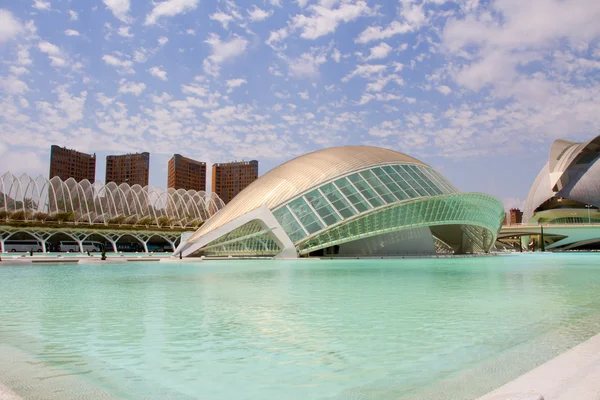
x: 13, y: 262
x: 183, y: 260
x: 99, y: 261
x: 572, y: 375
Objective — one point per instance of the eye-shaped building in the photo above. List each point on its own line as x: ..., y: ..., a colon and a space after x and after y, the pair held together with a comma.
x: 350, y: 201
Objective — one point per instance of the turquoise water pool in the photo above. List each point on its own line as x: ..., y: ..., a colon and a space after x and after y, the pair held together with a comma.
x: 358, y: 329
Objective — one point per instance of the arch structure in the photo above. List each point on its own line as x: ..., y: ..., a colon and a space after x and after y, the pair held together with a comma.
x: 111, y: 237
x: 567, y: 189
x: 349, y: 201
x: 30, y: 199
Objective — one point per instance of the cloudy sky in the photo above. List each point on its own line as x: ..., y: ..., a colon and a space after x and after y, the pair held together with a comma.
x: 477, y: 89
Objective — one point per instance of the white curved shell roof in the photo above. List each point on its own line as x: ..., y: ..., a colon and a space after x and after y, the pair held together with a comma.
x: 561, y: 177
x: 300, y: 174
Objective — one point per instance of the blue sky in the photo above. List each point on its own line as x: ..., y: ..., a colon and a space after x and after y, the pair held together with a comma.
x: 476, y: 89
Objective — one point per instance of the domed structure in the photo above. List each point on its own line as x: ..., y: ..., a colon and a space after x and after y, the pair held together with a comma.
x: 350, y: 201
x: 567, y: 189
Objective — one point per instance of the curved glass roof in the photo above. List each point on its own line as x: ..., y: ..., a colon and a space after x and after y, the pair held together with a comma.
x: 358, y: 193
x: 299, y: 175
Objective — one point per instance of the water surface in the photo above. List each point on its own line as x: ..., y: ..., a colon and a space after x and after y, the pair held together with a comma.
x: 357, y: 329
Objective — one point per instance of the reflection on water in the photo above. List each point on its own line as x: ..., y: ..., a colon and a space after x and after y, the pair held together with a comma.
x: 326, y: 329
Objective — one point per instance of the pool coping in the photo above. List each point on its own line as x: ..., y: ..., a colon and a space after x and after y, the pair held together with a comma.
x: 7, y: 394
x: 574, y: 374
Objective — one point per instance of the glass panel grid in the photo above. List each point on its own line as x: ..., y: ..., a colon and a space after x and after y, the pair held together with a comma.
x: 337, y: 200
x: 379, y: 187
x: 479, y: 215
x: 327, y: 213
x: 352, y: 195
x: 305, y: 215
x: 366, y: 190
x: 390, y: 184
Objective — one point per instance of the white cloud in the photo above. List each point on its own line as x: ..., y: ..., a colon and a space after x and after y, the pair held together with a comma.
x: 321, y: 20
x: 276, y: 3
x: 495, y: 45
x: 307, y: 65
x: 365, y: 71
x: 223, y: 18
x: 169, y: 8
x: 380, y: 51
x: 49, y: 48
x: 190, y: 32
x: 71, y: 32
x: 163, y: 40
x: 234, y: 83
x: 303, y: 95
x: 23, y: 56
x: 12, y: 85
x: 9, y: 26
x: 158, y: 73
x: 223, y: 51
x: 18, y: 70
x: 23, y: 161
x: 123, y: 66
x: 379, y: 33
x: 55, y: 55
x: 258, y: 14
x: 195, y: 89
x: 41, y: 4
x: 443, y: 89
x: 336, y: 55
x: 131, y: 87
x: 124, y: 32
x: 119, y: 8
x: 73, y: 15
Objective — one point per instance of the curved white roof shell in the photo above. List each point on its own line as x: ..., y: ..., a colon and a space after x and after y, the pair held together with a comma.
x: 572, y: 172
x: 300, y: 174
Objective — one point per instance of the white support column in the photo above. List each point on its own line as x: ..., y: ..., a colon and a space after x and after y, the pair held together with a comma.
x: 2, y: 245
x: 80, y: 243
x: 114, y: 245
x: 172, y: 243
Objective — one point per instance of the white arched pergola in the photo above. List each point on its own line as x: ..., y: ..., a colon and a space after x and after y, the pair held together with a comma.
x: 98, y: 203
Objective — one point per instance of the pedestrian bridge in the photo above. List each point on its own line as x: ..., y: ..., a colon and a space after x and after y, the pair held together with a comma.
x: 80, y: 234
x: 556, y: 236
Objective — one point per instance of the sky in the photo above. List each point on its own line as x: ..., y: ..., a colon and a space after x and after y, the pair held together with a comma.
x: 476, y: 89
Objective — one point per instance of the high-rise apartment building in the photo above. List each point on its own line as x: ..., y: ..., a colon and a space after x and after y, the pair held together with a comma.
x: 515, y: 216
x: 228, y: 179
x: 185, y: 173
x: 128, y: 168
x: 67, y: 163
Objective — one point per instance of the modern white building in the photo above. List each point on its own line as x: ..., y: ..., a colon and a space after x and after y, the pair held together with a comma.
x: 350, y: 201
x: 567, y: 189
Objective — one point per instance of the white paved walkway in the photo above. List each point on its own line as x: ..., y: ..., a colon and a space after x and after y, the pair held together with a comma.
x: 573, y: 375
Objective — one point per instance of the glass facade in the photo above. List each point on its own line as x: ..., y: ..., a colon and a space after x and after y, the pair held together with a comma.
x: 479, y: 215
x: 357, y: 193
x: 250, y: 239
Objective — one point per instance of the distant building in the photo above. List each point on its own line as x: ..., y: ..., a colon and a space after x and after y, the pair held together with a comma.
x: 67, y: 163
x: 128, y: 168
x: 228, y: 179
x: 185, y: 173
x: 515, y: 216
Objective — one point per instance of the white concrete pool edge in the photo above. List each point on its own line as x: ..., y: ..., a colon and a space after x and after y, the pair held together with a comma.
x: 7, y: 394
x: 574, y: 374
